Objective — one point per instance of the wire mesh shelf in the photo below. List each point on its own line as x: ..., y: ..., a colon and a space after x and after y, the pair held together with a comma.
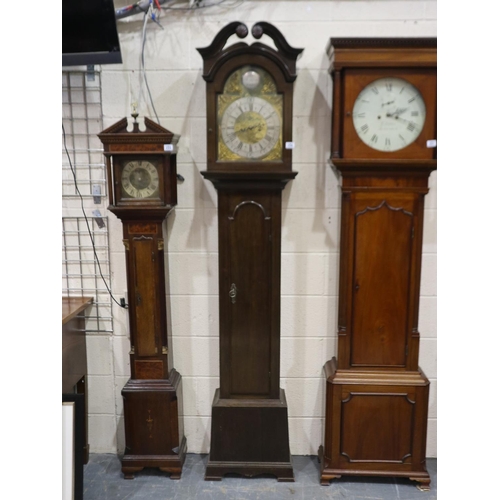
x: 85, y: 238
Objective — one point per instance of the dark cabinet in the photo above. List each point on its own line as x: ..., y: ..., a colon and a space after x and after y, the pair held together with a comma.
x: 249, y: 125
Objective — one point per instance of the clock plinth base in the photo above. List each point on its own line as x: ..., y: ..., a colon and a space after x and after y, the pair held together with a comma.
x: 376, y: 424
x: 249, y: 437
x: 328, y: 474
x: 154, y: 434
x: 166, y: 463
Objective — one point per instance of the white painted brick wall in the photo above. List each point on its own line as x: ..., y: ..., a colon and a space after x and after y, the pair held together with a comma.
x: 310, y: 214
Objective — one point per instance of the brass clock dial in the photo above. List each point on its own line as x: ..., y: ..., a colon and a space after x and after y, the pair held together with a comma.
x: 250, y: 127
x: 140, y: 179
x: 250, y: 117
x: 389, y: 114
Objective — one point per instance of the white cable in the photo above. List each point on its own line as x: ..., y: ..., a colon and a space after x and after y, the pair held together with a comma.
x: 142, y: 72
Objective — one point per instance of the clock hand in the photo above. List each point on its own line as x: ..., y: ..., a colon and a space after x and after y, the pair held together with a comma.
x: 251, y: 127
x: 387, y: 103
x: 396, y: 117
x: 399, y: 111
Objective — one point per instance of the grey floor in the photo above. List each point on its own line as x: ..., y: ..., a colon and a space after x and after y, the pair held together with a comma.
x: 103, y: 480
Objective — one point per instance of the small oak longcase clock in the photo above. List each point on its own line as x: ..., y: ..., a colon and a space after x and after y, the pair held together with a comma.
x: 384, y: 149
x: 249, y: 130
x: 142, y: 183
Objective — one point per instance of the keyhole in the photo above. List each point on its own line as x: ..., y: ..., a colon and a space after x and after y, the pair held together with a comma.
x: 232, y: 293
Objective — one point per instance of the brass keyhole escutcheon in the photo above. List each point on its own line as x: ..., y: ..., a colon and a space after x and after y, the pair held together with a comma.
x: 232, y: 293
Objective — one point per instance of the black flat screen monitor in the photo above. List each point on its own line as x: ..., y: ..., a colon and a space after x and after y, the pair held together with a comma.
x: 89, y: 33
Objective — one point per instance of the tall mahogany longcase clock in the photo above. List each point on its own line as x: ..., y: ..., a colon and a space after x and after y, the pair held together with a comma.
x: 384, y: 148
x: 141, y: 171
x: 249, y: 160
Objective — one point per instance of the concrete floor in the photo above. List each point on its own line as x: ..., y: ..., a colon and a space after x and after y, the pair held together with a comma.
x: 103, y: 480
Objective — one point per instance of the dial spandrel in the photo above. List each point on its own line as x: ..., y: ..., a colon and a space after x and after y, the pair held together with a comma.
x: 389, y: 114
x: 140, y: 179
x: 250, y: 113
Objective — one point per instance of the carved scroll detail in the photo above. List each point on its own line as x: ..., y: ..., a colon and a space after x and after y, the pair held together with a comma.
x: 384, y: 203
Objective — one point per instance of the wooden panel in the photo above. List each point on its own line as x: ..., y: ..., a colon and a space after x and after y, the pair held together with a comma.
x: 381, y: 281
x: 142, y: 228
x: 150, y: 422
x: 145, y: 296
x: 377, y: 427
x: 250, y: 432
x: 250, y: 323
x: 74, y: 353
x: 149, y: 370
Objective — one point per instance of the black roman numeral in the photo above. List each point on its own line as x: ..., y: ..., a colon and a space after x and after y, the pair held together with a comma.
x: 364, y: 129
x: 411, y: 126
x: 374, y: 138
x: 374, y: 90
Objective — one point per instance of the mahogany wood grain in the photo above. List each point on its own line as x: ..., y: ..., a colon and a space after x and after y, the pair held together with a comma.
x: 152, y: 398
x: 376, y: 395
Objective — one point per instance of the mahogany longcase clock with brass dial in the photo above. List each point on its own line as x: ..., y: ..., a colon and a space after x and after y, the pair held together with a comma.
x: 249, y: 123
x: 142, y: 182
x: 384, y: 149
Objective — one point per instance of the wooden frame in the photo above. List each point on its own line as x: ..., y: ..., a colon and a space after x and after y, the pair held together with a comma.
x: 403, y: 56
x: 78, y: 436
x: 159, y: 162
x: 356, y: 79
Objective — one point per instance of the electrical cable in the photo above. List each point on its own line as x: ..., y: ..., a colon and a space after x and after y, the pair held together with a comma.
x: 148, y: 13
x: 143, y: 70
x: 140, y: 6
x: 86, y: 220
x: 197, y: 6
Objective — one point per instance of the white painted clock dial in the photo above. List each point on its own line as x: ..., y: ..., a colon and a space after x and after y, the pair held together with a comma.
x: 389, y: 114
